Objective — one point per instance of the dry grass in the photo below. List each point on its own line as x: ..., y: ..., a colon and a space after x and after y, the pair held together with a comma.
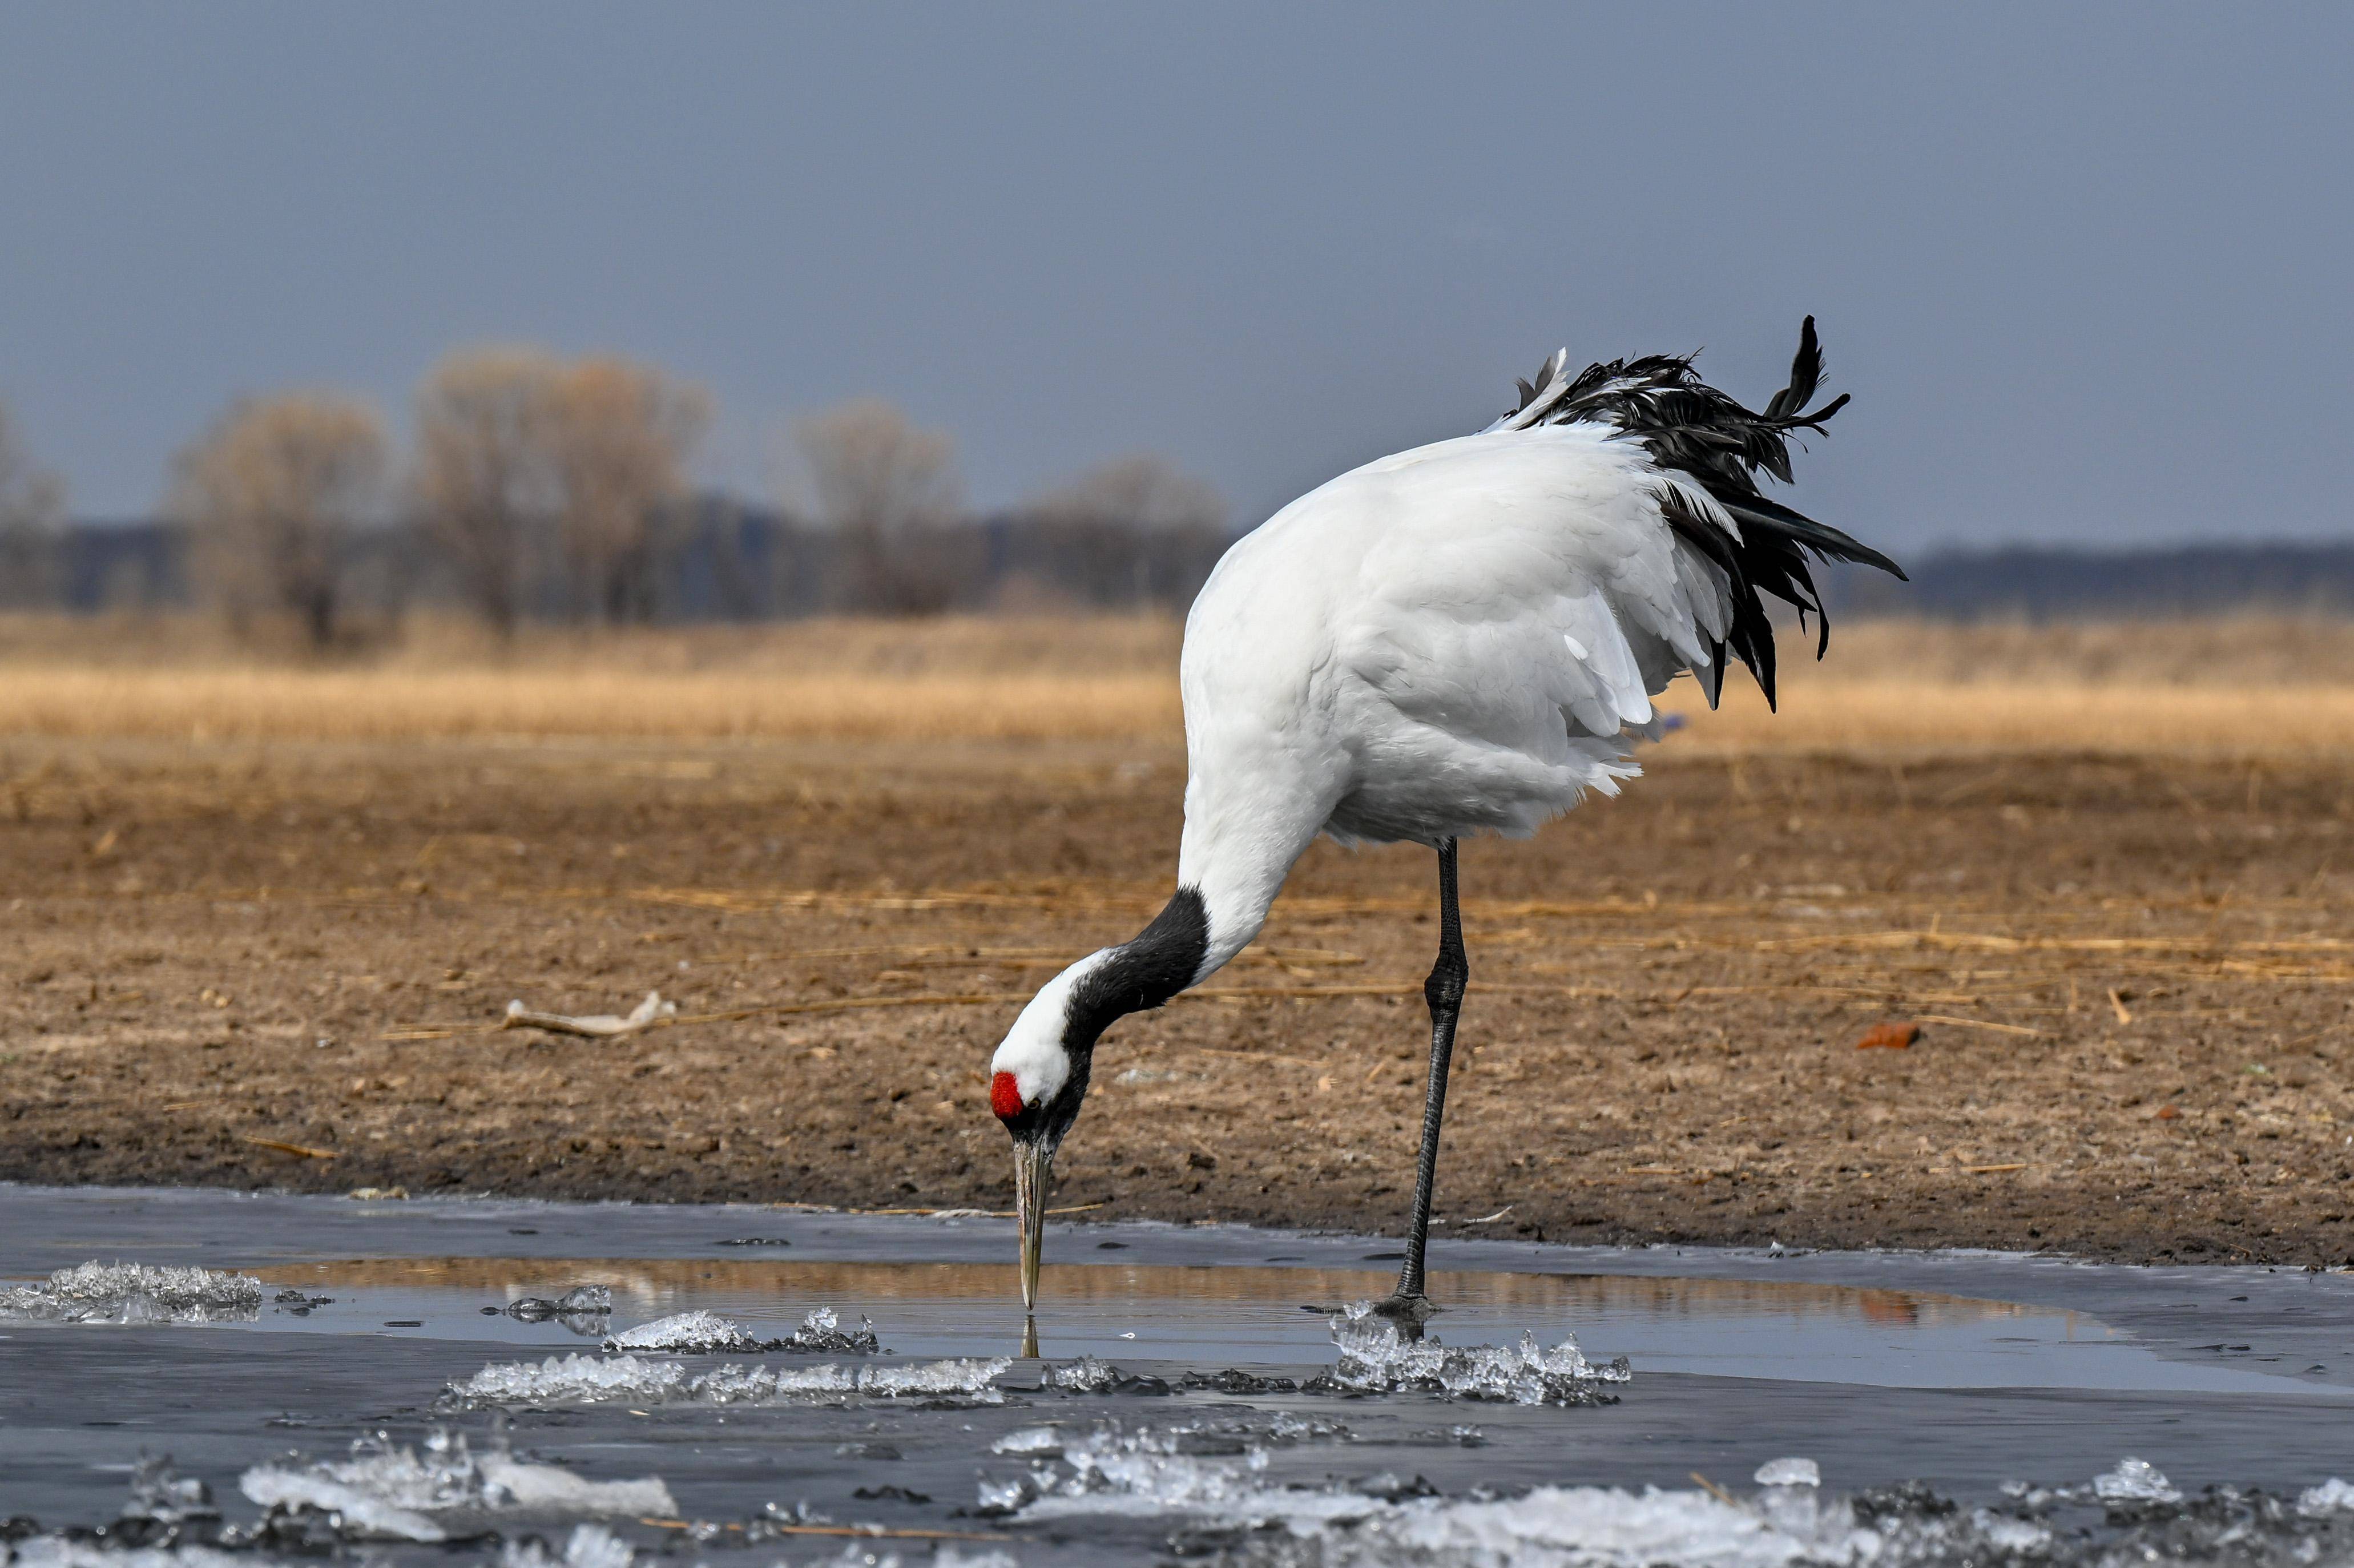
x: 2251, y: 687
x: 1923, y: 716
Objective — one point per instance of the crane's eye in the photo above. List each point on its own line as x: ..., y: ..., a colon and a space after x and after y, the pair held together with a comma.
x: 1005, y: 1096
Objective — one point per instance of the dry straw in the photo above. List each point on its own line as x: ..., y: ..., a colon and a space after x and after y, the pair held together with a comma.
x: 2224, y: 688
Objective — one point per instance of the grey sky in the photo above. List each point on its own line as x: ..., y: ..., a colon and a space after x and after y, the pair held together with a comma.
x: 2085, y: 269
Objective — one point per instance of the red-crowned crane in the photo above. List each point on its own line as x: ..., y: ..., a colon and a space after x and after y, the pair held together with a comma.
x: 1460, y: 639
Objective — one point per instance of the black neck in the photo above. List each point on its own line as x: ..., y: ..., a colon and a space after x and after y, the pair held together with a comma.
x: 1159, y: 962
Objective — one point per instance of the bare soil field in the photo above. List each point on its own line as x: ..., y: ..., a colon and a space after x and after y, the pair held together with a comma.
x: 273, y: 952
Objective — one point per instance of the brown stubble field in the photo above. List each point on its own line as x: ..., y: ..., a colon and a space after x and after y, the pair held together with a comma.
x: 2107, y: 872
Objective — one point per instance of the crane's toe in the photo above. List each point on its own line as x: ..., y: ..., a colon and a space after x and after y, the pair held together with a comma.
x: 1409, y: 1312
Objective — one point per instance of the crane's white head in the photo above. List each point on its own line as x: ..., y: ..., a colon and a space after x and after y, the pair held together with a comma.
x: 1039, y: 1075
x: 1036, y: 1081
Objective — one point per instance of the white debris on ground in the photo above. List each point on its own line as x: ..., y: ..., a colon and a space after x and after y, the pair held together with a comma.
x: 592, y: 1380
x: 135, y: 1293
x: 383, y: 1492
x: 1376, y: 1359
x: 593, y: 1026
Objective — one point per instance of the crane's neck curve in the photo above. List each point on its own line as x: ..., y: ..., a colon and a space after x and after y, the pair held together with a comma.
x: 1142, y: 972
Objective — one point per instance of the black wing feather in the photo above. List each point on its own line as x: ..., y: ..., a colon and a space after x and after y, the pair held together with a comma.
x: 1719, y: 445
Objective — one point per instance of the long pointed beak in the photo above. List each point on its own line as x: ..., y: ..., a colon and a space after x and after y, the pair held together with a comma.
x: 1031, y: 1163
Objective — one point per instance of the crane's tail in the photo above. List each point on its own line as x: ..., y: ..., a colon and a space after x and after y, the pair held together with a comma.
x: 1711, y: 444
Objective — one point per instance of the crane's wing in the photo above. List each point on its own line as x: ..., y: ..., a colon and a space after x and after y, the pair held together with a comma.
x: 1520, y: 600
x: 1715, y: 449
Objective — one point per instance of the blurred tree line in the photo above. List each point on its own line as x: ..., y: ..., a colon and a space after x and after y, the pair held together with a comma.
x: 540, y: 488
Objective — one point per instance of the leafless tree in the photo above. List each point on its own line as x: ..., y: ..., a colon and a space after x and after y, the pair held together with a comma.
x: 621, y: 437
x: 1132, y: 530
x: 486, y: 471
x: 274, y: 492
x: 889, y: 491
x: 32, y: 508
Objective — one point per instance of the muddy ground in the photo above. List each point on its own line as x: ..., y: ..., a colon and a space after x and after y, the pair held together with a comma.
x: 276, y: 968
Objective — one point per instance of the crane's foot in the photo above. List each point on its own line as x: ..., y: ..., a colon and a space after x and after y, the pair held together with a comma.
x: 1408, y: 1312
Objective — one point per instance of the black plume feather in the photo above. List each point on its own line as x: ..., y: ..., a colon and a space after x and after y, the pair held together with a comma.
x: 1720, y: 446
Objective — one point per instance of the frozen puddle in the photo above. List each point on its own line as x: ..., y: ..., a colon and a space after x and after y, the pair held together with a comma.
x: 600, y: 1386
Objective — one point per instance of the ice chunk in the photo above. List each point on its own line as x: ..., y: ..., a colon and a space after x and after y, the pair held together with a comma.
x: 571, y: 1380
x: 687, y: 1332
x: 1375, y: 1358
x: 962, y: 1375
x: 135, y: 1293
x: 1085, y: 1375
x: 707, y: 1333
x: 1788, y: 1473
x: 589, y: 1546
x: 821, y: 1331
x: 391, y: 1493
x: 580, y: 1302
x: 1389, y: 1524
x: 2332, y: 1496
x: 360, y: 1513
x: 553, y: 1490
x: 998, y: 1498
x: 592, y: 1380
x: 161, y: 1493
x: 1041, y: 1440
x: 64, y: 1552
x: 2135, y: 1481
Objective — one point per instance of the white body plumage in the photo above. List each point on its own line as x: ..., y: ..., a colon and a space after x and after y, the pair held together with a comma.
x: 1456, y: 640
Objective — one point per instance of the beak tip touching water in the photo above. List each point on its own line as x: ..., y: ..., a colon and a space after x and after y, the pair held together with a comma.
x: 1031, y: 1164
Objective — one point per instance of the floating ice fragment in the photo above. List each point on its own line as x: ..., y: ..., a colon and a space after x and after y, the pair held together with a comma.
x: 822, y: 1331
x: 388, y: 1493
x: 1085, y: 1375
x: 592, y: 1380
x: 707, y: 1333
x: 2016, y: 1537
x: 358, y: 1514
x: 1788, y: 1473
x: 552, y: 1489
x: 1375, y: 1358
x: 1038, y: 1440
x: 686, y: 1331
x: 2135, y: 1481
x: 960, y: 1376
x: 161, y: 1493
x: 580, y: 1302
x: 2332, y: 1496
x: 135, y: 1293
x: 1001, y: 1498
x: 590, y: 1546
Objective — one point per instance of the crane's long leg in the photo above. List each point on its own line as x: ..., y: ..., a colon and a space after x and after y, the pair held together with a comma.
x: 1444, y: 991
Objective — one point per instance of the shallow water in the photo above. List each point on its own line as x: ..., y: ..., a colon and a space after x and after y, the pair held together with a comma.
x: 1963, y: 1370
x: 1260, y: 1316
